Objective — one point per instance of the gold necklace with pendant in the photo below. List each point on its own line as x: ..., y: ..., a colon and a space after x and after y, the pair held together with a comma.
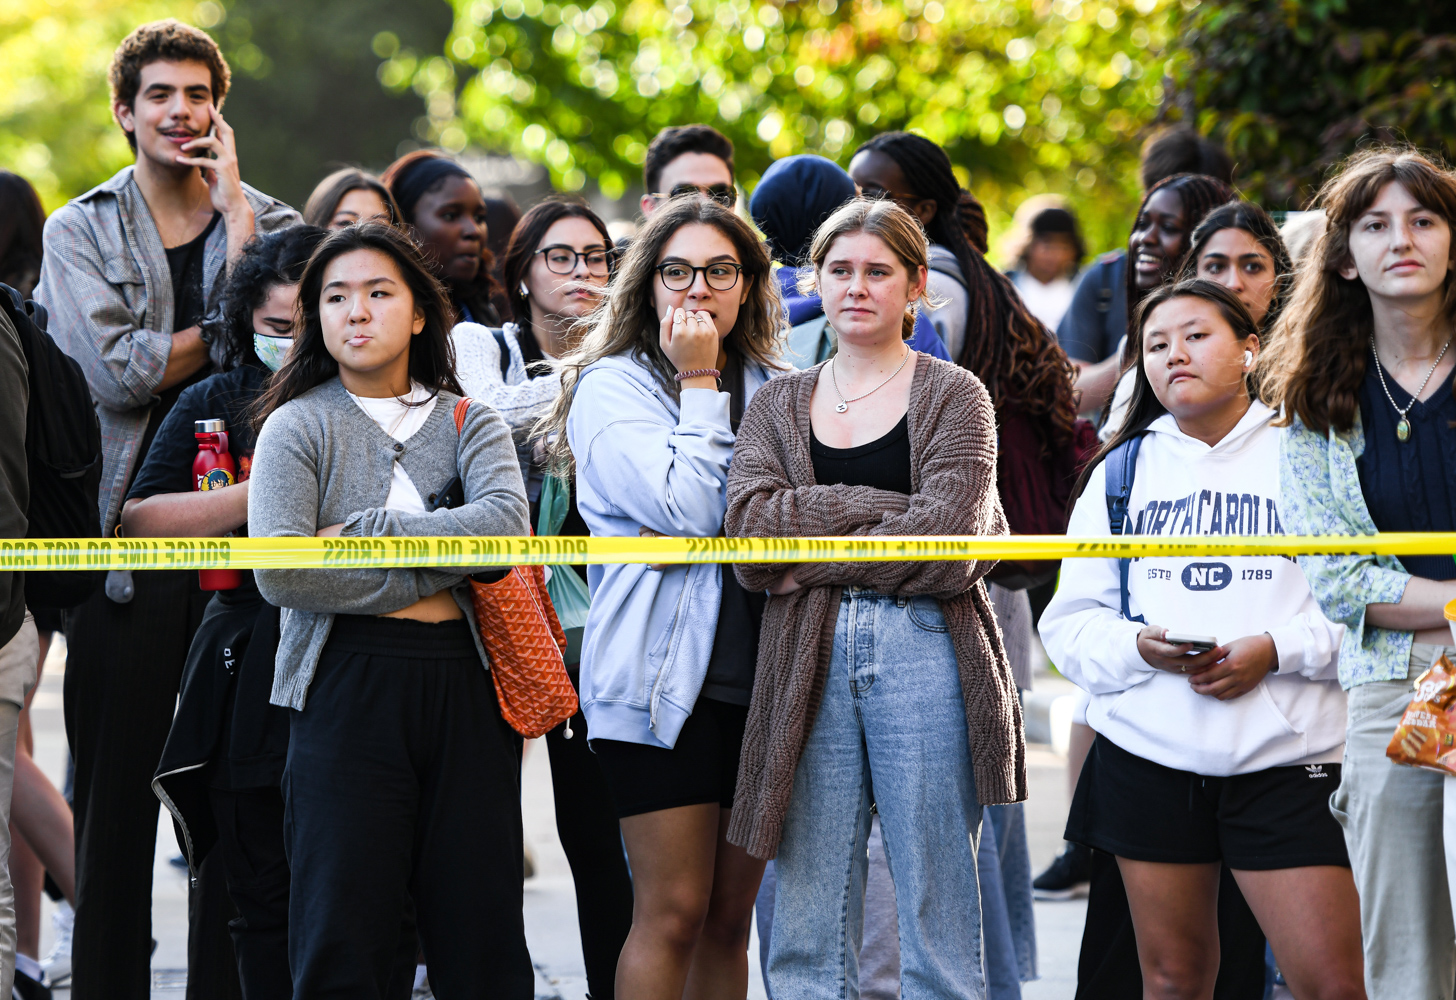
x: 1403, y: 428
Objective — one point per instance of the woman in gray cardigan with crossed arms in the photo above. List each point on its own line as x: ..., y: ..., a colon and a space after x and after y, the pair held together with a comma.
x: 874, y: 679
x: 402, y: 778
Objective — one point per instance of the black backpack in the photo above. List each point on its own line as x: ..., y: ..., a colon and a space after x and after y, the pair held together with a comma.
x: 62, y: 452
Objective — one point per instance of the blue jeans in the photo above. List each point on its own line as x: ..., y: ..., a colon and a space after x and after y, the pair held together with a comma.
x: 890, y: 729
x: 1004, y: 863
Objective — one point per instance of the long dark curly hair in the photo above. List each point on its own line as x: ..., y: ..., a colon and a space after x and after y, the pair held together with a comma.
x: 1014, y: 355
x: 276, y: 258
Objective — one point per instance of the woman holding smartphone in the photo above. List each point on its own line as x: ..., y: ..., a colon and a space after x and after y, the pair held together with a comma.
x: 1220, y: 723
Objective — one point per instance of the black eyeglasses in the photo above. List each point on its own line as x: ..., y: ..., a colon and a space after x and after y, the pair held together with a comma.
x: 561, y: 259
x: 723, y: 194
x: 720, y: 276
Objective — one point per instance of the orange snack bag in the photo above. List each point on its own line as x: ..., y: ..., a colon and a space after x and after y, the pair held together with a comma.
x: 1426, y: 735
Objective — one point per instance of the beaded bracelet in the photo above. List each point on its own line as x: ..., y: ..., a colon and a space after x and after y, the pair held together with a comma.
x: 699, y: 373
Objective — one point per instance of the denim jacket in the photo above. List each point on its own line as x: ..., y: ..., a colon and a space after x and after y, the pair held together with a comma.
x: 1322, y: 496
x: 108, y: 288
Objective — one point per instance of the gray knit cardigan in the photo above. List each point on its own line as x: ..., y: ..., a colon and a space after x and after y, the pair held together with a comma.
x: 322, y: 460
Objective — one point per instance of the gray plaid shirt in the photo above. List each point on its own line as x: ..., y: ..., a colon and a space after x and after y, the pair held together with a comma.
x: 108, y: 288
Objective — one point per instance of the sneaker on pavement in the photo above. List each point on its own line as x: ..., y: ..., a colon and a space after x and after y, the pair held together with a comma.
x: 1067, y: 877
x: 30, y: 981
x: 57, y: 963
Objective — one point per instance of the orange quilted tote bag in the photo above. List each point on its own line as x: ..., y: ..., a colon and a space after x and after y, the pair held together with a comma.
x: 524, y: 640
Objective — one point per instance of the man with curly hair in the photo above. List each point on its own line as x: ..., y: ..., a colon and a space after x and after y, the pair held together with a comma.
x: 130, y: 270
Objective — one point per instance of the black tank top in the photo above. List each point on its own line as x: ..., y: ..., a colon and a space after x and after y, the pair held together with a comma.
x: 883, y: 463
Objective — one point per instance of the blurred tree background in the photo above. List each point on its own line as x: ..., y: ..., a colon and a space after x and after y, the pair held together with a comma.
x: 55, y: 120
x: 1027, y: 95
x: 1293, y: 87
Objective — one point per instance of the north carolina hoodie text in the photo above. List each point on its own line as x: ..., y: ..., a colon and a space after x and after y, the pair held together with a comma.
x: 1184, y: 487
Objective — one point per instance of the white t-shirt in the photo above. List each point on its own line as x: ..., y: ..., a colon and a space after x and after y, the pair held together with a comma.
x: 401, y: 422
x: 1047, y: 302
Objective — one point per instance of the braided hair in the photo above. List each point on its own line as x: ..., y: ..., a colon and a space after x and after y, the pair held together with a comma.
x: 1200, y: 194
x: 1012, y: 353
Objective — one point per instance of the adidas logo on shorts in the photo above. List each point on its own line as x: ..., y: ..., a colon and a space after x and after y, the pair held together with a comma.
x: 1316, y: 770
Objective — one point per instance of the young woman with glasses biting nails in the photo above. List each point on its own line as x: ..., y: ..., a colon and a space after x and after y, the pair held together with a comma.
x: 557, y: 266
x: 650, y: 403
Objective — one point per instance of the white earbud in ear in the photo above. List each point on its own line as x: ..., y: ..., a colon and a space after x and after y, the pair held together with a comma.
x: 1248, y: 360
x: 525, y: 292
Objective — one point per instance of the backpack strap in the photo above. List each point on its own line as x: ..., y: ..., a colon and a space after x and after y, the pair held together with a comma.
x: 950, y: 268
x: 1121, y: 465
x: 505, y: 351
x: 461, y: 405
x: 1104, y: 294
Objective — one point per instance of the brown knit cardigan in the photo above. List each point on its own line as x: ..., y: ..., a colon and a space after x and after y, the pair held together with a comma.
x: 772, y: 493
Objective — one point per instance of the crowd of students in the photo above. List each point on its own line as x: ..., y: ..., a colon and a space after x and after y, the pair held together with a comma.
x: 836, y: 748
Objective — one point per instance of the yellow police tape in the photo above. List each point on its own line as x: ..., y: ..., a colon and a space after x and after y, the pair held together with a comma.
x: 412, y: 553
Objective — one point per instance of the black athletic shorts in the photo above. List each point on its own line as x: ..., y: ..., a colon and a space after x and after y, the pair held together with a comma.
x: 1271, y: 819
x: 702, y: 767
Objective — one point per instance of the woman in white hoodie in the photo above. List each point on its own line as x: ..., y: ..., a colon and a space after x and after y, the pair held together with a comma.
x: 1218, y: 755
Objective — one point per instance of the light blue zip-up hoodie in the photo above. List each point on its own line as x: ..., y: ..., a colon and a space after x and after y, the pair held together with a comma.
x: 643, y: 460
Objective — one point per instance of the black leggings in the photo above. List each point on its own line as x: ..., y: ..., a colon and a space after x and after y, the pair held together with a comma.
x: 592, y: 839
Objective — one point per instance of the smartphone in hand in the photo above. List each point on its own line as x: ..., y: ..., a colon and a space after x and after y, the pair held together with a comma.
x: 1200, y: 643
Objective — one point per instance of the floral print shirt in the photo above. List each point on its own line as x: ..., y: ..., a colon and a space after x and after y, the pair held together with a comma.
x: 1321, y: 493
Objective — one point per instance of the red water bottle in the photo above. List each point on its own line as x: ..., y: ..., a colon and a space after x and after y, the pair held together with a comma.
x: 214, y: 469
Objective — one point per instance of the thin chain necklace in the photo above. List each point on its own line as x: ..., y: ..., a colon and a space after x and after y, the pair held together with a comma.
x: 1403, y: 428
x: 843, y: 403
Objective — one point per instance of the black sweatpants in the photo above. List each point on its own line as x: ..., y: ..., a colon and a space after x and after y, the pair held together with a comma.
x: 587, y: 825
x: 123, y: 666
x: 250, y: 850
x: 403, y: 781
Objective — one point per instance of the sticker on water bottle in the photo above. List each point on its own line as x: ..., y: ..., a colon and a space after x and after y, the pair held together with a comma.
x: 214, y: 479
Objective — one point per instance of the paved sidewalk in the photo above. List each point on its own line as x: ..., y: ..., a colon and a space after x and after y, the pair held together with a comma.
x: 550, y: 908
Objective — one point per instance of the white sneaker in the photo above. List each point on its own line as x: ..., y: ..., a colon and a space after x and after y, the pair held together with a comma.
x: 57, y: 963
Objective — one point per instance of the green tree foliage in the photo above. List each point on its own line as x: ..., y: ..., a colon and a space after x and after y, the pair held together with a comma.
x: 1027, y: 95
x: 305, y: 97
x: 55, y: 116
x: 1292, y: 87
